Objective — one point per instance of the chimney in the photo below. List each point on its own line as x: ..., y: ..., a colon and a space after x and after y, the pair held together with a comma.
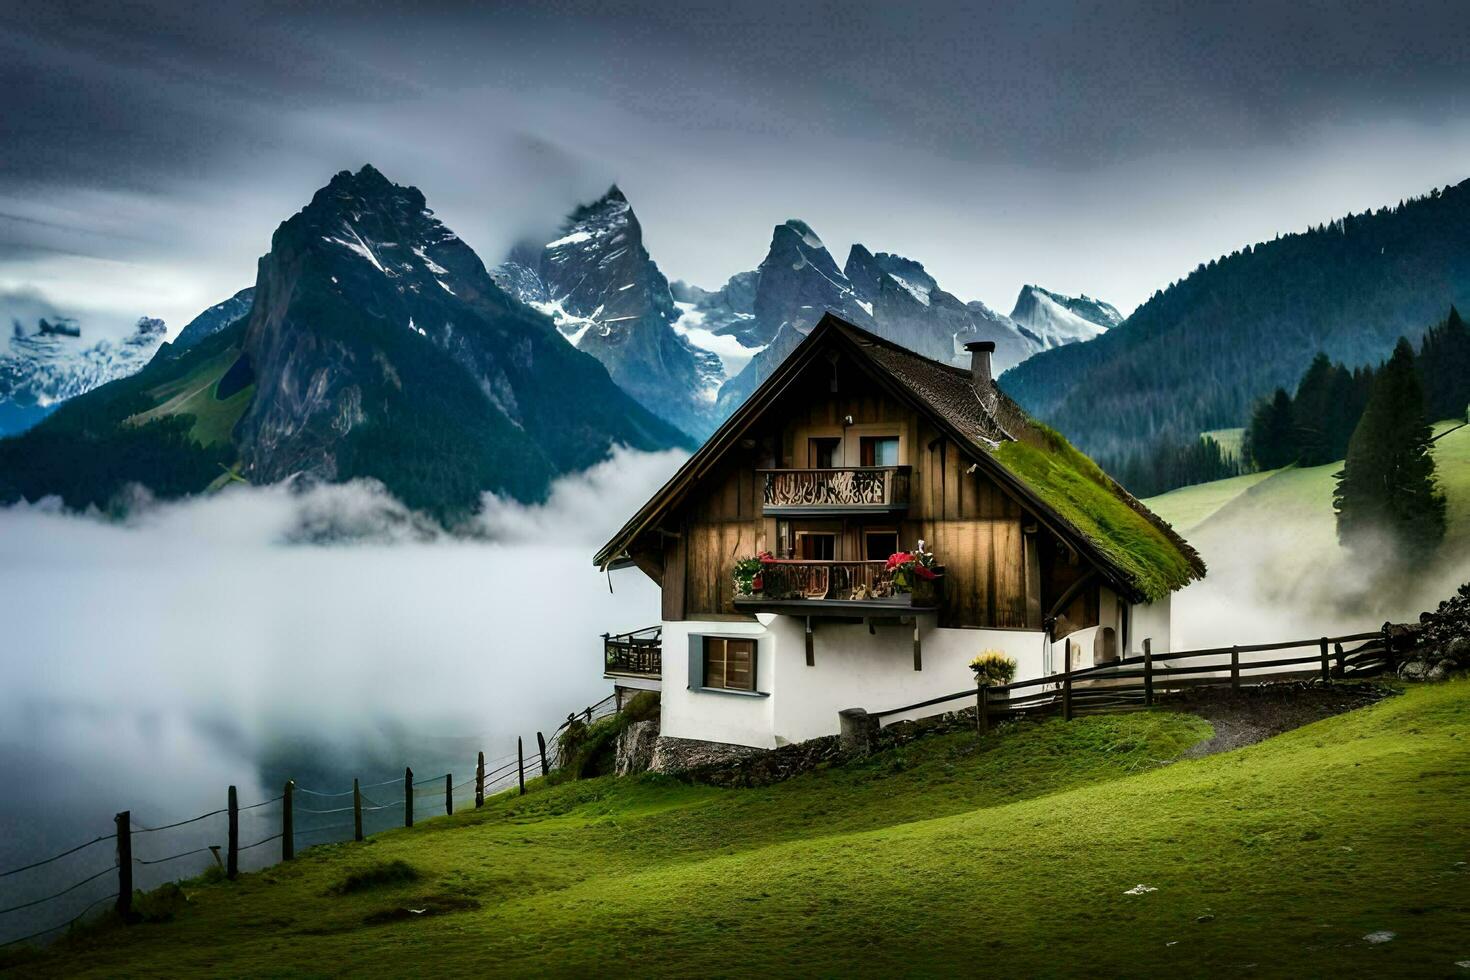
x: 980, y: 376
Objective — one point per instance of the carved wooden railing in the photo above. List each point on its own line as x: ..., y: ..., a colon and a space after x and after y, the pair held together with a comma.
x: 639, y: 652
x: 855, y: 487
x: 826, y: 580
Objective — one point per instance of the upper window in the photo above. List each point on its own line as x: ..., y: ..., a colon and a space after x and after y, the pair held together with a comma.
x: 824, y: 454
x: 729, y: 663
x: 879, y: 450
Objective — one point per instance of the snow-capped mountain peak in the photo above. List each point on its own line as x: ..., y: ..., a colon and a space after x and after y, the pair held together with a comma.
x: 1057, y: 319
x: 607, y: 297
x: 44, y: 366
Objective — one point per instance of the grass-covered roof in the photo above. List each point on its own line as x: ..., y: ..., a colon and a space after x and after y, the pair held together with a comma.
x: 1155, y: 560
x: 1135, y: 545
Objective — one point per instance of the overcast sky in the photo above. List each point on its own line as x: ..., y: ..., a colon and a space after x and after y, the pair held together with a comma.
x: 150, y: 150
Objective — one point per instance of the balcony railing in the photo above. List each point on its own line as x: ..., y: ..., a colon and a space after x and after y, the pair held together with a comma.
x: 639, y: 653
x: 840, y: 580
x: 852, y: 489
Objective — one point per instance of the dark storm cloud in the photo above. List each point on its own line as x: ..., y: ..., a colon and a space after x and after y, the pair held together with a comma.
x: 214, y: 121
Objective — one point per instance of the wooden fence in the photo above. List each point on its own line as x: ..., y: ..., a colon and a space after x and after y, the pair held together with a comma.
x: 398, y: 799
x: 1136, y: 682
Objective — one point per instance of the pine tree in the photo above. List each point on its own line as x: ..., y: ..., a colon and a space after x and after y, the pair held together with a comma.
x: 1444, y: 359
x: 1271, y: 439
x: 1312, y: 411
x: 1345, y: 402
x: 1387, y: 483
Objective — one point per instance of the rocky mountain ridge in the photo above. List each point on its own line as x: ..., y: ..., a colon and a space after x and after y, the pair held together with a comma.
x: 607, y: 297
x: 377, y: 346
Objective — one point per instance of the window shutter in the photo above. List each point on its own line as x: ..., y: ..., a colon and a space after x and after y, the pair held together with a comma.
x: 696, y: 661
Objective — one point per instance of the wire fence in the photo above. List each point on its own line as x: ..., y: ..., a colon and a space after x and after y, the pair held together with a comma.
x: 424, y: 797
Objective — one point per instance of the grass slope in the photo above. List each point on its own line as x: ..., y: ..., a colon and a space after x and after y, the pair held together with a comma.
x: 1303, y: 496
x: 1189, y: 507
x: 194, y: 394
x: 1008, y: 855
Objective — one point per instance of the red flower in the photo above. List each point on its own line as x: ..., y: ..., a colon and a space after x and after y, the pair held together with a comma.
x: 899, y: 558
x: 766, y: 558
x: 925, y: 573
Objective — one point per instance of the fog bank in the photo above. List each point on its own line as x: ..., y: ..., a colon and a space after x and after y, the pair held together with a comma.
x: 148, y: 664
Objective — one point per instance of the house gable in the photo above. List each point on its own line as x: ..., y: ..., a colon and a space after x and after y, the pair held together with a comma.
x: 987, y: 476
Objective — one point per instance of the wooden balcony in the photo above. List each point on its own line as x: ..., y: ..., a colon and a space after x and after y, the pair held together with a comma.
x: 830, y: 588
x: 845, y: 490
x: 635, y: 654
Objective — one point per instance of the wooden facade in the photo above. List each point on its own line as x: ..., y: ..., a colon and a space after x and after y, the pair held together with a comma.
x: 1003, y: 567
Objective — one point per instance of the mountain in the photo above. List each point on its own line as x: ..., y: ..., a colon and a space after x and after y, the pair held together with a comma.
x: 1200, y: 353
x: 1055, y: 319
x: 376, y: 346
x: 216, y: 318
x: 795, y: 284
x: 908, y: 307
x: 889, y: 294
x: 608, y: 298
x: 43, y: 367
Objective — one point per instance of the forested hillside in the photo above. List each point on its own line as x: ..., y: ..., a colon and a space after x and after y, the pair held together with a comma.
x: 1199, y: 354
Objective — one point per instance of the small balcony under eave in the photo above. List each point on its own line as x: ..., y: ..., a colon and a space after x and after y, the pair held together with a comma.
x: 835, y: 491
x: 635, y: 659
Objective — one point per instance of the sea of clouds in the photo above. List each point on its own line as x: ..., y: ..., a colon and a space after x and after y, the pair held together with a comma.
x: 262, y: 631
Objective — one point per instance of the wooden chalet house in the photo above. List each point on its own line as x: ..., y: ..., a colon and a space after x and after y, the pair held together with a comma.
x: 853, y: 450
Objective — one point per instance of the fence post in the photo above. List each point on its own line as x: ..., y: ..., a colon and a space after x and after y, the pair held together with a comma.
x: 1326, y: 671
x: 356, y: 811
x: 521, y: 760
x: 982, y: 709
x: 541, y: 747
x: 1235, y: 668
x: 124, y: 863
x: 449, y: 794
x: 288, y: 822
x: 407, y: 796
x: 480, y: 780
x: 232, y: 859
x: 1148, y: 672
x: 1341, y: 660
x: 1067, y: 682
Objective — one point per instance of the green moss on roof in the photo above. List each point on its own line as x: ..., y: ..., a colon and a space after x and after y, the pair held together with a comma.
x: 1155, y: 561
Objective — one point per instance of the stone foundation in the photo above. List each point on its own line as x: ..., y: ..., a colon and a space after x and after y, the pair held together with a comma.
x: 675, y: 755
x: 636, y: 747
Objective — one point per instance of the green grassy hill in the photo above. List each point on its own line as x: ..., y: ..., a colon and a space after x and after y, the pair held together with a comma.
x: 1305, y: 494
x: 1276, y: 567
x: 1013, y: 854
x: 196, y: 394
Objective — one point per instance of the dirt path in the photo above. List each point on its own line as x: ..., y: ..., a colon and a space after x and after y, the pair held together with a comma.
x: 1255, y: 714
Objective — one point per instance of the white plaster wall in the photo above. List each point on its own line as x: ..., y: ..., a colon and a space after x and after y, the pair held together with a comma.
x: 739, y: 719
x: 855, y: 669
x: 1083, y: 644
x: 1150, y: 622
